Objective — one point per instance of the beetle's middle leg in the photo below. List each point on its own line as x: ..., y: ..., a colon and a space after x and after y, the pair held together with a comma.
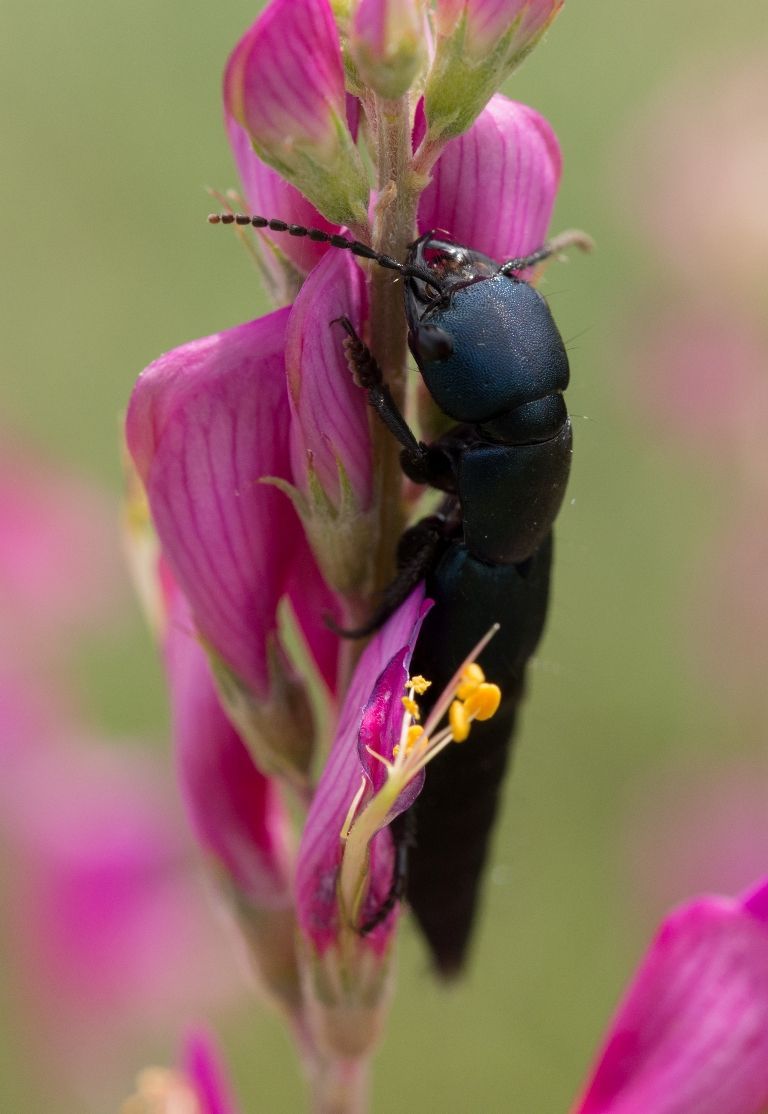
x: 417, y: 552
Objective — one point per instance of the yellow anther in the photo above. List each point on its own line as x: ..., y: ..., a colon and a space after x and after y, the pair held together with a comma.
x: 415, y: 732
x: 410, y: 706
x: 395, y: 750
x: 471, y: 676
x: 459, y: 721
x: 419, y: 685
x: 483, y: 702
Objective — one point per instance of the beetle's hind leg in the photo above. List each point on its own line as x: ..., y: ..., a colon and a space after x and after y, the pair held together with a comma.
x: 417, y: 553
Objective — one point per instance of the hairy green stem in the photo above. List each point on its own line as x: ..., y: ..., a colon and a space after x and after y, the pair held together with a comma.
x: 393, y: 231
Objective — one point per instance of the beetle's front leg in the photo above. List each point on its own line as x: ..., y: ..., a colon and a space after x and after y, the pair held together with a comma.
x: 421, y: 463
x: 369, y: 376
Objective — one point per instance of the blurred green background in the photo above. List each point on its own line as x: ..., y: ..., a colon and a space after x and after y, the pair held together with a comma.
x: 111, y: 132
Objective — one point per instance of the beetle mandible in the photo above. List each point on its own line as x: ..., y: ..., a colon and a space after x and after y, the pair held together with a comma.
x: 492, y: 359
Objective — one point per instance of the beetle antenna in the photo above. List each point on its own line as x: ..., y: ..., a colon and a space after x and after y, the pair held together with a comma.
x: 573, y: 238
x: 318, y: 236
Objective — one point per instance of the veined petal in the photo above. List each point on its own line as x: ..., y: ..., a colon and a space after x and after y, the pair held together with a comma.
x: 206, y: 423
x: 312, y: 601
x: 269, y: 195
x: 284, y: 84
x: 330, y: 411
x: 320, y: 850
x: 511, y: 159
x: 234, y: 809
x: 691, y: 1036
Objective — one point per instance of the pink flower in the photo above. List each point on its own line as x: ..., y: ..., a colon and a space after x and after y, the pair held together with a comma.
x: 330, y: 434
x: 691, y: 1036
x: 386, y: 660
x: 207, y: 422
x: 510, y: 156
x: 488, y: 21
x: 479, y: 44
x: 234, y: 809
x: 284, y: 84
x: 267, y: 193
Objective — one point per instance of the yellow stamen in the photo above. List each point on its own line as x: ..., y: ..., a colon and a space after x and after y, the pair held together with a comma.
x: 419, y: 685
x: 471, y: 676
x: 483, y: 702
x: 410, y: 706
x: 459, y: 721
x: 415, y: 732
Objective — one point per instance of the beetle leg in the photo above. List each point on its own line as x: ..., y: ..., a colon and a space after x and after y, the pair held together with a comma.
x: 416, y: 555
x: 369, y: 376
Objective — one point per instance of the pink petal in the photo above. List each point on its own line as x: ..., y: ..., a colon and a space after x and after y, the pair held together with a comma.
x: 691, y: 1036
x: 285, y: 77
x: 269, y: 195
x: 381, y: 724
x: 330, y: 411
x: 320, y: 849
x: 312, y: 600
x: 206, y: 423
x: 511, y: 159
x: 203, y: 1068
x: 488, y: 20
x: 234, y: 809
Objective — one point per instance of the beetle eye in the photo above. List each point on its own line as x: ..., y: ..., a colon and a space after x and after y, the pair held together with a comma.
x: 432, y: 343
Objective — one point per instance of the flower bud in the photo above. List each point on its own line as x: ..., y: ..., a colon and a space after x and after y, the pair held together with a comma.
x: 388, y: 45
x: 479, y: 44
x: 284, y: 84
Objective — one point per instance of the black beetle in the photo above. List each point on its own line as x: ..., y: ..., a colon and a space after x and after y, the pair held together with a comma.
x: 493, y: 360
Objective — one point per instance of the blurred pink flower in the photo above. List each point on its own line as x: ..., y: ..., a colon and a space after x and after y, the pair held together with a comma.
x: 691, y: 1035
x: 693, y: 830
x: 108, y: 922
x: 60, y: 568
x: 701, y: 377
x: 699, y: 178
x: 728, y: 608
